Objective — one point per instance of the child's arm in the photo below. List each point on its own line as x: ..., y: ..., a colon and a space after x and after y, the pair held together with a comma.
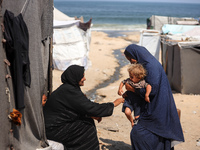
x: 148, y: 91
x: 120, y: 91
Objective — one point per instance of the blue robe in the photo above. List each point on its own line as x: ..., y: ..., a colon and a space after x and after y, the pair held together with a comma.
x: 159, y: 124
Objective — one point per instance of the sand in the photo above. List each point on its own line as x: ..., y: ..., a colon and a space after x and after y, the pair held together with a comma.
x: 114, y: 131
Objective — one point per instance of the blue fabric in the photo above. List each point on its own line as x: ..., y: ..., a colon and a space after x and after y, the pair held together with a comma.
x: 134, y: 102
x: 177, y: 29
x: 143, y: 139
x: 160, y: 116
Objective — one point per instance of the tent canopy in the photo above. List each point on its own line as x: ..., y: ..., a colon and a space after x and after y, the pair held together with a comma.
x: 58, y: 15
x: 150, y: 39
x: 71, y: 44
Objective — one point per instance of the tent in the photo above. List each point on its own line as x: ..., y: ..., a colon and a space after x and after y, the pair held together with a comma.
x: 71, y: 43
x: 150, y: 39
x: 30, y: 135
x: 178, y: 29
x: 58, y: 15
x: 156, y: 22
x: 180, y: 59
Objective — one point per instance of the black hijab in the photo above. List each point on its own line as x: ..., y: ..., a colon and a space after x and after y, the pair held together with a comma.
x: 72, y: 75
x: 70, y: 97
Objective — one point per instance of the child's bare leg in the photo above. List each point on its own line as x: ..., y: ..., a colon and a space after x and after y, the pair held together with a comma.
x: 128, y: 114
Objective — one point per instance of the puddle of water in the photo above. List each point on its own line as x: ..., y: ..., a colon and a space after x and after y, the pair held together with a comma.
x: 122, y: 61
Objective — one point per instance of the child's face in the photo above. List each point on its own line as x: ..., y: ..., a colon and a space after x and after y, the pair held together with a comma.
x: 134, y: 78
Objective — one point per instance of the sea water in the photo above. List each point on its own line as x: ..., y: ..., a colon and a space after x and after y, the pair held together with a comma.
x: 123, y: 15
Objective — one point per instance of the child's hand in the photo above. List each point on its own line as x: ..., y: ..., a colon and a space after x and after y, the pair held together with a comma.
x: 120, y: 92
x: 132, y: 124
x: 147, y: 99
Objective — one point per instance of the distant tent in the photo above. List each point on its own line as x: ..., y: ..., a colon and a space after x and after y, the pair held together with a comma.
x: 30, y: 135
x: 195, y: 32
x: 58, y: 15
x: 180, y: 60
x: 193, y: 22
x: 150, y: 39
x: 71, y: 43
x: 178, y: 29
x: 158, y: 21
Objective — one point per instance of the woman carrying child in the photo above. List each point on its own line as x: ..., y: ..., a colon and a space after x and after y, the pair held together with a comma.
x: 158, y: 127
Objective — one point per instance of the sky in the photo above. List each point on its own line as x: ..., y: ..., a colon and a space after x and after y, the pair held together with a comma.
x: 171, y: 1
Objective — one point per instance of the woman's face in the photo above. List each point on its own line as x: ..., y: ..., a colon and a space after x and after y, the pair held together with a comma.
x: 81, y: 83
x: 131, y: 60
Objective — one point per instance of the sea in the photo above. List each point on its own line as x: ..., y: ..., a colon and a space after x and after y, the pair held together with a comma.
x: 124, y: 15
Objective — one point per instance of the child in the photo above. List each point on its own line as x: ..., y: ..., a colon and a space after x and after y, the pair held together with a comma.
x: 136, y: 80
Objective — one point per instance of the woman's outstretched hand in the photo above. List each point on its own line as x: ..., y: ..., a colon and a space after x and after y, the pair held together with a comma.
x: 97, y: 118
x: 129, y: 87
x: 118, y: 101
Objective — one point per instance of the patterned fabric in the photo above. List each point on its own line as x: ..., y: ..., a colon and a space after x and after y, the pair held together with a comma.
x: 141, y: 84
x: 159, y: 117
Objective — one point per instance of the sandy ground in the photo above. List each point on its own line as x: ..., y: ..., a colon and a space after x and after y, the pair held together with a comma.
x: 114, y: 131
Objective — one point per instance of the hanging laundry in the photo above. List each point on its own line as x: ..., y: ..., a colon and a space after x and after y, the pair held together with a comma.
x: 17, y: 52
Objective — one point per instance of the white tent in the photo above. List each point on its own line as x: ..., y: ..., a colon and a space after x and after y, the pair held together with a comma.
x: 158, y: 21
x: 150, y: 39
x: 58, y: 15
x: 179, y: 29
x: 71, y: 44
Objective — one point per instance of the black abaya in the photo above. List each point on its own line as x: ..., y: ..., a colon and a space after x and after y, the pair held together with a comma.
x: 68, y: 114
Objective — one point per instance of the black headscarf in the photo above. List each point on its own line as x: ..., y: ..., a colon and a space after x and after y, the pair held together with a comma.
x: 72, y: 75
x: 68, y: 113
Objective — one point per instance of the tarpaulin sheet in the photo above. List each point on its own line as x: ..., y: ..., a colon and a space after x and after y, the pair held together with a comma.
x: 30, y: 135
x: 71, y: 46
x: 181, y: 63
x: 150, y: 39
x: 177, y: 29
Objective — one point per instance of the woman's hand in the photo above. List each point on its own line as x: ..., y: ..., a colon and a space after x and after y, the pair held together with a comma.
x: 129, y: 87
x: 118, y: 101
x: 97, y: 118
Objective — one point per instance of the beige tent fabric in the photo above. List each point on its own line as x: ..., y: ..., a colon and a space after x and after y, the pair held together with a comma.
x: 58, y: 15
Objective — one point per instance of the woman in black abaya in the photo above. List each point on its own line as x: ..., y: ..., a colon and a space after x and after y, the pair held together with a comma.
x: 68, y: 113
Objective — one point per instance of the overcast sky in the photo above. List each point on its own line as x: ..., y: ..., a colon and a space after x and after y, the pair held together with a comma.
x: 173, y: 1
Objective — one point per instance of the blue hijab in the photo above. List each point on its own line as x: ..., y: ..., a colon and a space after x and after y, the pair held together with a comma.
x: 160, y: 115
